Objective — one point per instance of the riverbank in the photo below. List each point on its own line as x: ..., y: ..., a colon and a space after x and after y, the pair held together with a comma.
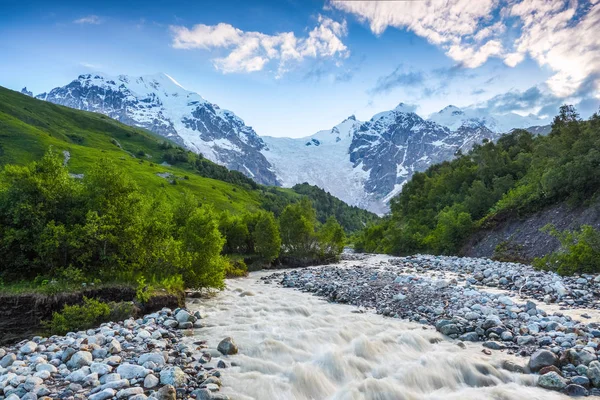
x: 293, y: 345
x: 451, y: 294
x: 22, y: 314
x: 134, y: 359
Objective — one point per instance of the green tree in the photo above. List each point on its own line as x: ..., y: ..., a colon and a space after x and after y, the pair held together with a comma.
x: 331, y: 239
x: 297, y: 226
x: 267, y: 241
x: 579, y: 251
x: 203, y: 241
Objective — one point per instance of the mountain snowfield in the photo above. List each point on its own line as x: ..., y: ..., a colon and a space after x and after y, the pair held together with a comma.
x: 364, y: 163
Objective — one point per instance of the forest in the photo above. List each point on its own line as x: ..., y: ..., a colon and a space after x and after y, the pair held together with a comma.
x: 438, y: 209
x: 58, y: 229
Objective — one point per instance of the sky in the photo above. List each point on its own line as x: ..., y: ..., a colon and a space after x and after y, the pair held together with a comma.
x: 294, y: 67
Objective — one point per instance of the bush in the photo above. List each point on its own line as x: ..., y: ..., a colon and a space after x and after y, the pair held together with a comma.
x: 79, y: 317
x: 236, y: 269
x: 579, y: 251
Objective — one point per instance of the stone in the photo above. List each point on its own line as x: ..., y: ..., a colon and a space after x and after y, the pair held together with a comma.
x: 513, y: 367
x: 552, y: 381
x: 469, y: 337
x: 494, y: 345
x: 572, y: 356
x: 575, y: 390
x: 8, y: 360
x: 126, y: 393
x: 542, y: 358
x: 151, y: 381
x: 491, y: 322
x: 80, y: 359
x: 227, y: 346
x: 581, y: 380
x: 114, y: 347
x: 46, y: 367
x: 103, y: 395
x: 166, y: 393
x: 156, y: 358
x: 450, y: 329
x: 131, y: 371
x: 593, y: 373
x: 100, y: 368
x: 28, y: 348
x: 184, y: 316
x: 173, y: 376
x: 550, y: 368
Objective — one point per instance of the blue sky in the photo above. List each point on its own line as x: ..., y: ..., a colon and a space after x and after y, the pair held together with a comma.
x: 291, y: 67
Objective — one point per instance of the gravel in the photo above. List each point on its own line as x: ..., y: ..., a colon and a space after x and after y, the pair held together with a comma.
x: 134, y: 359
x: 460, y: 297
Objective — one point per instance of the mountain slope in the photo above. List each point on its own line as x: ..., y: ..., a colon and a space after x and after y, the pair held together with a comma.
x: 28, y: 127
x: 159, y: 104
x: 363, y: 163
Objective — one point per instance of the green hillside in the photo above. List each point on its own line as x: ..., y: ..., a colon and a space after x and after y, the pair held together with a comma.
x: 28, y: 127
x: 520, y: 174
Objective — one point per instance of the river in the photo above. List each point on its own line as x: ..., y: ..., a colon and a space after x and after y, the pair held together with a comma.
x: 293, y: 345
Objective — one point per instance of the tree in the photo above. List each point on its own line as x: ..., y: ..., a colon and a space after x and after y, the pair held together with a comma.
x: 297, y: 226
x: 235, y: 231
x: 331, y: 239
x: 203, y: 241
x: 267, y: 242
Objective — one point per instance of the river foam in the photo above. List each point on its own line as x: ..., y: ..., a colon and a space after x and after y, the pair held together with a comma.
x: 293, y: 345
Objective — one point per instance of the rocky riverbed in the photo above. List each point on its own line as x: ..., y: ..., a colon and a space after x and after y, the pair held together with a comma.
x: 134, y: 359
x: 499, y: 304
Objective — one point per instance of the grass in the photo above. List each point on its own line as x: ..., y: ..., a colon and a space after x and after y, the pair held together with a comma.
x: 28, y: 127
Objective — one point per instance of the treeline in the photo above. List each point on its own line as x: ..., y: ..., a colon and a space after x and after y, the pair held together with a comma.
x: 296, y: 237
x: 350, y: 217
x: 176, y: 155
x: 103, y: 228
x: 519, y: 174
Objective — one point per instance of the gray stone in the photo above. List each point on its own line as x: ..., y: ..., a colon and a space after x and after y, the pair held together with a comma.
x: 173, y: 376
x: 494, y: 345
x: 8, y: 360
x: 103, y: 395
x: 80, y: 359
x: 126, y: 393
x: 227, y: 346
x: 28, y: 347
x: 156, y: 358
x: 552, y: 381
x: 166, y: 393
x: 151, y: 381
x: 100, y: 368
x: 593, y: 373
x: 541, y: 359
x: 132, y: 371
x: 575, y: 390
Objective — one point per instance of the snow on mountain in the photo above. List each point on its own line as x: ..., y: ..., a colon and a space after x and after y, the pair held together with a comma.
x: 454, y: 117
x: 363, y: 163
x: 160, y: 104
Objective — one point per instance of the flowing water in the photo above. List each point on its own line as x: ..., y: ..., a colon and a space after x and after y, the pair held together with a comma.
x: 293, y: 345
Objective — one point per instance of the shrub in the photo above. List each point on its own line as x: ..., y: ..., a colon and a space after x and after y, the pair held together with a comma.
x: 79, y: 317
x: 579, y: 251
x: 236, y: 269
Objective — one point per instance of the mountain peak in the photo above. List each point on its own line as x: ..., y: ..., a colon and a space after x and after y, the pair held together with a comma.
x: 405, y: 108
x: 27, y: 92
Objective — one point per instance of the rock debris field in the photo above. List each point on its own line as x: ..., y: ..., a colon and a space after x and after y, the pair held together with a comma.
x: 509, y: 307
x: 134, y: 359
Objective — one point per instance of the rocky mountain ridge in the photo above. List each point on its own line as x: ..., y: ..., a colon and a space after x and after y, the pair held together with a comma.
x: 364, y: 163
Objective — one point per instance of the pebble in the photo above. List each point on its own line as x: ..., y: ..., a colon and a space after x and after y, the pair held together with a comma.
x: 115, y: 360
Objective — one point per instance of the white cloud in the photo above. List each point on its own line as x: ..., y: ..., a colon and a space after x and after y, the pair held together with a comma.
x: 252, y: 51
x: 90, y: 19
x: 559, y: 34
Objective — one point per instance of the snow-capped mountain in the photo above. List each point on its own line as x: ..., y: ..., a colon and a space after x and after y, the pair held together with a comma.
x: 454, y: 117
x: 160, y: 104
x: 363, y: 163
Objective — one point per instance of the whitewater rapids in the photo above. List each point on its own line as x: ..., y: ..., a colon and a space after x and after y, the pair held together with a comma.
x: 293, y: 345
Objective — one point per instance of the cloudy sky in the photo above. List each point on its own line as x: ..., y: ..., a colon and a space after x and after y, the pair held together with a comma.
x: 293, y: 67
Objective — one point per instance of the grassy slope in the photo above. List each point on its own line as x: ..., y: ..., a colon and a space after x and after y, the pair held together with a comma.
x: 28, y: 127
